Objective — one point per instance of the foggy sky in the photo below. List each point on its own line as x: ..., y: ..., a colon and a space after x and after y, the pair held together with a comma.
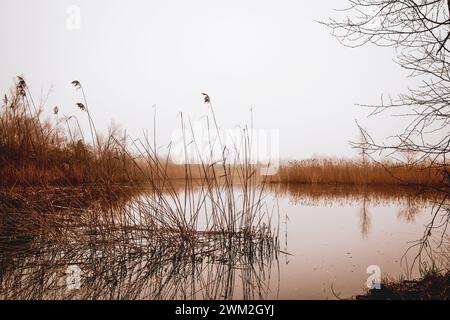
x: 270, y: 55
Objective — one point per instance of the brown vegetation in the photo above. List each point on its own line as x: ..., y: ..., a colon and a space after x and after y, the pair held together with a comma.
x: 202, y: 226
x: 37, y: 152
x: 353, y: 172
x: 55, y: 151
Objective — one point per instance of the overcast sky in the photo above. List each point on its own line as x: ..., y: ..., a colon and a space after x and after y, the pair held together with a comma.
x: 272, y: 55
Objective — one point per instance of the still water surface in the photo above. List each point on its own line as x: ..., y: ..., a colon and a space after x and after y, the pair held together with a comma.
x: 326, y: 238
x: 335, y: 234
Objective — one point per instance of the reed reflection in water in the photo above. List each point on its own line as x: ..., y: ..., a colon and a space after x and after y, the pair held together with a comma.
x: 123, y: 253
x: 323, y: 241
x: 335, y: 233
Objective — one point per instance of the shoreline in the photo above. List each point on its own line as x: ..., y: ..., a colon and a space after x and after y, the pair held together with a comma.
x: 432, y: 285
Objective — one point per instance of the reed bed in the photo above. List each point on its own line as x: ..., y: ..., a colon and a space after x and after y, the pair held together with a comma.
x: 355, y: 172
x: 182, y: 237
x: 55, y: 151
x: 35, y: 151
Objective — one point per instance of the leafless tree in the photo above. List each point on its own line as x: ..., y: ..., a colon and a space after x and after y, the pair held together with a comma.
x: 419, y: 32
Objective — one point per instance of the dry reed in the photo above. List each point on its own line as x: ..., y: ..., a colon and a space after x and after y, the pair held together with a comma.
x: 355, y: 172
x: 178, y: 238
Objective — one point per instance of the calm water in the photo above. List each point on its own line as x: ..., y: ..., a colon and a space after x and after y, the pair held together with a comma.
x: 335, y: 234
x: 328, y: 237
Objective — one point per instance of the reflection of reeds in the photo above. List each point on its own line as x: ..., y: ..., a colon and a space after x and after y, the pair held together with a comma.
x: 124, y: 255
x: 187, y: 238
x: 410, y: 199
x: 317, y: 194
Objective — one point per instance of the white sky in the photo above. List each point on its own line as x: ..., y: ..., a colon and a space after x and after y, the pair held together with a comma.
x: 271, y: 55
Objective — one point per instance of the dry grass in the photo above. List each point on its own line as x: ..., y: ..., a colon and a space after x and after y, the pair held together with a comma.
x: 354, y: 172
x: 53, y: 151
x: 39, y: 152
x: 179, y: 238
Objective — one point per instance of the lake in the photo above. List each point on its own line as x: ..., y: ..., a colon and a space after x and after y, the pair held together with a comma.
x: 322, y: 240
x: 335, y: 234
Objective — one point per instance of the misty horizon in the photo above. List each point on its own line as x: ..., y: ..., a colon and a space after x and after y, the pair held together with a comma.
x: 278, y: 61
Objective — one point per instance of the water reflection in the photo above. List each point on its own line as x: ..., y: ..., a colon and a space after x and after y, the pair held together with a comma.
x: 327, y: 237
x: 410, y: 210
x: 150, y: 268
x: 365, y: 217
x: 119, y: 259
x: 336, y: 232
x: 411, y: 201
